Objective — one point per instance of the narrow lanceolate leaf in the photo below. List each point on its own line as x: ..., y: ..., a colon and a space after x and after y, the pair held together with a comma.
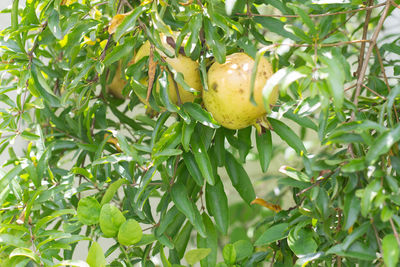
x: 181, y: 199
x: 187, y: 131
x: 193, y: 169
x: 217, y: 205
x: 390, y: 250
x: 199, y: 114
x: 287, y: 135
x: 25, y: 252
x: 369, y: 194
x: 211, y: 241
x: 239, y: 178
x: 351, y: 210
x: 272, y: 234
x: 383, y: 144
x: 202, y: 158
x: 111, y: 190
x: 129, y: 22
x: 264, y: 148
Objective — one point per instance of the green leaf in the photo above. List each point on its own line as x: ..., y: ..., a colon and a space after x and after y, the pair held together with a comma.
x: 351, y: 210
x: 53, y: 24
x: 358, y: 251
x: 211, y: 241
x: 202, y: 159
x: 301, y: 241
x: 199, y: 114
x: 111, y: 219
x: 368, y: 195
x: 217, y: 205
x: 129, y: 233
x: 264, y: 148
x: 12, y: 240
x: 10, y: 175
x: 25, y: 252
x: 272, y: 234
x: 357, y: 233
x: 29, y: 136
x: 193, y: 169
x: 95, y: 256
x: 195, y: 255
x: 181, y: 199
x: 119, y: 51
x: 383, y: 144
x: 276, y: 26
x: 88, y: 211
x: 354, y: 165
x: 239, y: 178
x: 214, y: 40
x: 111, y: 190
x: 229, y: 254
x: 243, y: 248
x: 129, y: 22
x: 390, y: 249
x: 287, y: 135
x: 187, y: 131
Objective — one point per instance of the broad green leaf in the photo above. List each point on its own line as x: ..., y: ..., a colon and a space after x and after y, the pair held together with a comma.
x: 351, y: 210
x: 111, y: 218
x: 95, y: 256
x: 195, y: 255
x: 129, y: 22
x: 217, y: 205
x: 229, y: 254
x: 25, y: 252
x: 214, y: 40
x: 219, y: 147
x: 211, y: 241
x: 53, y: 23
x: 383, y: 144
x: 264, y: 148
x: 193, y: 169
x: 129, y: 233
x: 354, y: 165
x: 276, y: 26
x: 199, y: 114
x: 357, y: 232
x: 368, y: 195
x: 187, y: 131
x: 179, y: 195
x: 12, y: 240
x: 181, y: 240
x: 239, y: 178
x: 390, y: 249
x: 119, y: 51
x: 287, y: 135
x: 111, y: 190
x: 357, y: 251
x: 202, y: 159
x: 304, y: 260
x: 301, y: 241
x: 88, y: 211
x: 272, y: 234
x: 243, y: 248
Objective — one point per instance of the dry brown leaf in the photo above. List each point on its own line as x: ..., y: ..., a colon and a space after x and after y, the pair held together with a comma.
x: 266, y: 204
x: 113, y: 141
x: 152, y: 72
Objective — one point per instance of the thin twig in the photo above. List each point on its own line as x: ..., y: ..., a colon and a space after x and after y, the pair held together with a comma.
x: 338, y: 27
x: 385, y: 78
x: 396, y: 234
x: 364, y: 36
x: 378, y: 240
x: 316, y: 15
x: 372, y: 91
x: 368, y: 55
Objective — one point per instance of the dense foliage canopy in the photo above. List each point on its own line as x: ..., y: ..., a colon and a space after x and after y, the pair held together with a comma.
x: 96, y: 166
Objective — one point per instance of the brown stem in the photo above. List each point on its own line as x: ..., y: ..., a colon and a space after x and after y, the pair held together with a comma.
x: 378, y: 240
x: 316, y: 15
x: 368, y: 55
x: 372, y: 91
x: 364, y: 36
x: 396, y: 234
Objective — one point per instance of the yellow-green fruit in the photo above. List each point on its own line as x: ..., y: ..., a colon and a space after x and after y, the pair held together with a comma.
x: 228, y: 94
x: 117, y: 84
x: 182, y: 64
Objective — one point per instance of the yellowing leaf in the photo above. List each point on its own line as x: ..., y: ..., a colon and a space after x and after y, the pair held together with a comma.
x: 88, y: 41
x: 116, y: 21
x: 68, y: 2
x: 113, y: 141
x: 266, y: 204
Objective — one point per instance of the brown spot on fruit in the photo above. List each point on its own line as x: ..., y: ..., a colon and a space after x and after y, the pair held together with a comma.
x: 241, y: 91
x: 214, y: 86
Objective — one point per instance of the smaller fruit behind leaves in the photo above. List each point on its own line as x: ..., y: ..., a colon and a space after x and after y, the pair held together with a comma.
x: 228, y: 94
x: 181, y: 64
x: 111, y: 218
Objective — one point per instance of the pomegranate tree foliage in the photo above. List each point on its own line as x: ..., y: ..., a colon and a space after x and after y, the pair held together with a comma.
x: 96, y: 167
